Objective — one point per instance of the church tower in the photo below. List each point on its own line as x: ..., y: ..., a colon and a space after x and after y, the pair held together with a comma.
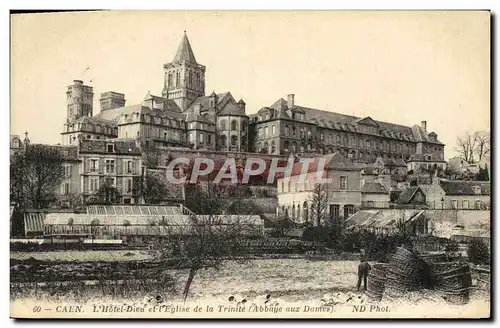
x: 80, y: 99
x: 184, y: 77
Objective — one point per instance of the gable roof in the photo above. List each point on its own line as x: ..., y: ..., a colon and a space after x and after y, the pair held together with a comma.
x: 184, y: 52
x: 232, y: 109
x: 406, y: 196
x: 333, y: 161
x: 204, y: 101
x: 374, y: 188
x: 464, y: 187
x: 367, y: 120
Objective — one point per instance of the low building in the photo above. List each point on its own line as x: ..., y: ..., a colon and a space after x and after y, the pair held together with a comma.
x: 389, y: 221
x: 447, y: 194
x: 343, y: 192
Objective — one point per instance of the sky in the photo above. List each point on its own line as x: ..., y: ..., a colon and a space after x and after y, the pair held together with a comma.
x: 399, y: 67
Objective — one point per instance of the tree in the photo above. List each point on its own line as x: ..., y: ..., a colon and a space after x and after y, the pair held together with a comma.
x: 466, y: 147
x: 152, y: 188
x: 482, y: 144
x: 107, y: 194
x: 206, y: 241
x: 319, y: 203
x: 35, y: 176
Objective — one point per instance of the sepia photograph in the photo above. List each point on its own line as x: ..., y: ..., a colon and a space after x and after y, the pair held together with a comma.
x: 250, y: 164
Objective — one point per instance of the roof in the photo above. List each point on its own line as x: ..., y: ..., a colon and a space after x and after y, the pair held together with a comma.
x: 131, y: 210
x: 204, y: 101
x: 333, y: 161
x: 374, y: 188
x: 384, y: 218
x: 423, y: 158
x: 464, y: 187
x: 192, y: 117
x: 347, y: 122
x: 407, y: 194
x: 121, y: 146
x: 184, y: 52
x: 232, y: 109
x: 149, y: 220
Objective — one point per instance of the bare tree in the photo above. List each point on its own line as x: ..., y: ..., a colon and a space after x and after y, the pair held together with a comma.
x: 466, y: 147
x: 482, y: 144
x: 319, y: 203
x: 207, y: 240
x: 35, y: 175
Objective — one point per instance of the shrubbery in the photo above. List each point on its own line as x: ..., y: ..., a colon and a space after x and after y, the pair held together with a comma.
x: 478, y: 252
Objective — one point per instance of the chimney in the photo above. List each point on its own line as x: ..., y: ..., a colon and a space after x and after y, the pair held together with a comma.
x: 110, y: 100
x: 291, y: 100
x: 424, y: 126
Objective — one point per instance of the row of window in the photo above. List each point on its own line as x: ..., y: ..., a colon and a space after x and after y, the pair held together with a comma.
x: 234, y: 125
x: 301, y: 212
x: 465, y: 204
x: 94, y: 184
x: 201, y: 136
x: 110, y: 167
x: 287, y: 186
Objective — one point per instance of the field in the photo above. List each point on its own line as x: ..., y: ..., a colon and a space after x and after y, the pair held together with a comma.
x: 118, y: 275
x: 293, y: 277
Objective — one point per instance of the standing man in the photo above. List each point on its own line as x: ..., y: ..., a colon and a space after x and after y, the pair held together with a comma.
x: 363, y: 271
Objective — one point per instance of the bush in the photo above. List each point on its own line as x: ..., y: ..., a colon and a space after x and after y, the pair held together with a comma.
x: 478, y: 252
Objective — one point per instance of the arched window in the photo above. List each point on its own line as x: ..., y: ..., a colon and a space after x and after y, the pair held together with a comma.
x: 293, y: 211
x: 234, y: 140
x: 301, y: 148
x: 302, y: 134
x: 223, y: 141
x: 294, y: 131
x: 222, y: 125
x: 273, y: 129
x: 234, y: 125
x: 298, y: 211
x: 243, y: 126
x: 287, y: 130
x: 273, y: 146
x: 286, y: 144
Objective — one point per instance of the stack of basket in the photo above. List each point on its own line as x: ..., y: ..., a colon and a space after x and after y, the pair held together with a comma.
x: 483, y: 278
x: 405, y: 272
x: 376, y: 281
x: 453, y: 281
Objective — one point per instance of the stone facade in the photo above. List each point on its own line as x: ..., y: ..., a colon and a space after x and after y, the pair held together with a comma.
x: 448, y: 195
x: 181, y: 117
x: 287, y: 128
x: 346, y: 190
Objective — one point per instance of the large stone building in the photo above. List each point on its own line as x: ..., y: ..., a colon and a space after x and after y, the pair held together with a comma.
x: 288, y: 128
x: 182, y: 116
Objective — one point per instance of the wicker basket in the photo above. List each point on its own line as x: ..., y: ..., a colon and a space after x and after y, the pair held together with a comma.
x: 376, y: 281
x: 454, y: 284
x: 406, y: 272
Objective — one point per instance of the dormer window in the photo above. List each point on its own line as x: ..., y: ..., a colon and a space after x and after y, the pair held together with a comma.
x: 477, y: 190
x: 111, y: 148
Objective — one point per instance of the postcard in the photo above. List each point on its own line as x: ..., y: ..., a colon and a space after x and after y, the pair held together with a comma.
x: 250, y: 164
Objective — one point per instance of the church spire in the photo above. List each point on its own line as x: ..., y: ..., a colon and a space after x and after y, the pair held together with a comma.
x: 184, y: 52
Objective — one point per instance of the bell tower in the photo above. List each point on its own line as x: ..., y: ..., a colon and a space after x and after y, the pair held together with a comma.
x: 184, y: 77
